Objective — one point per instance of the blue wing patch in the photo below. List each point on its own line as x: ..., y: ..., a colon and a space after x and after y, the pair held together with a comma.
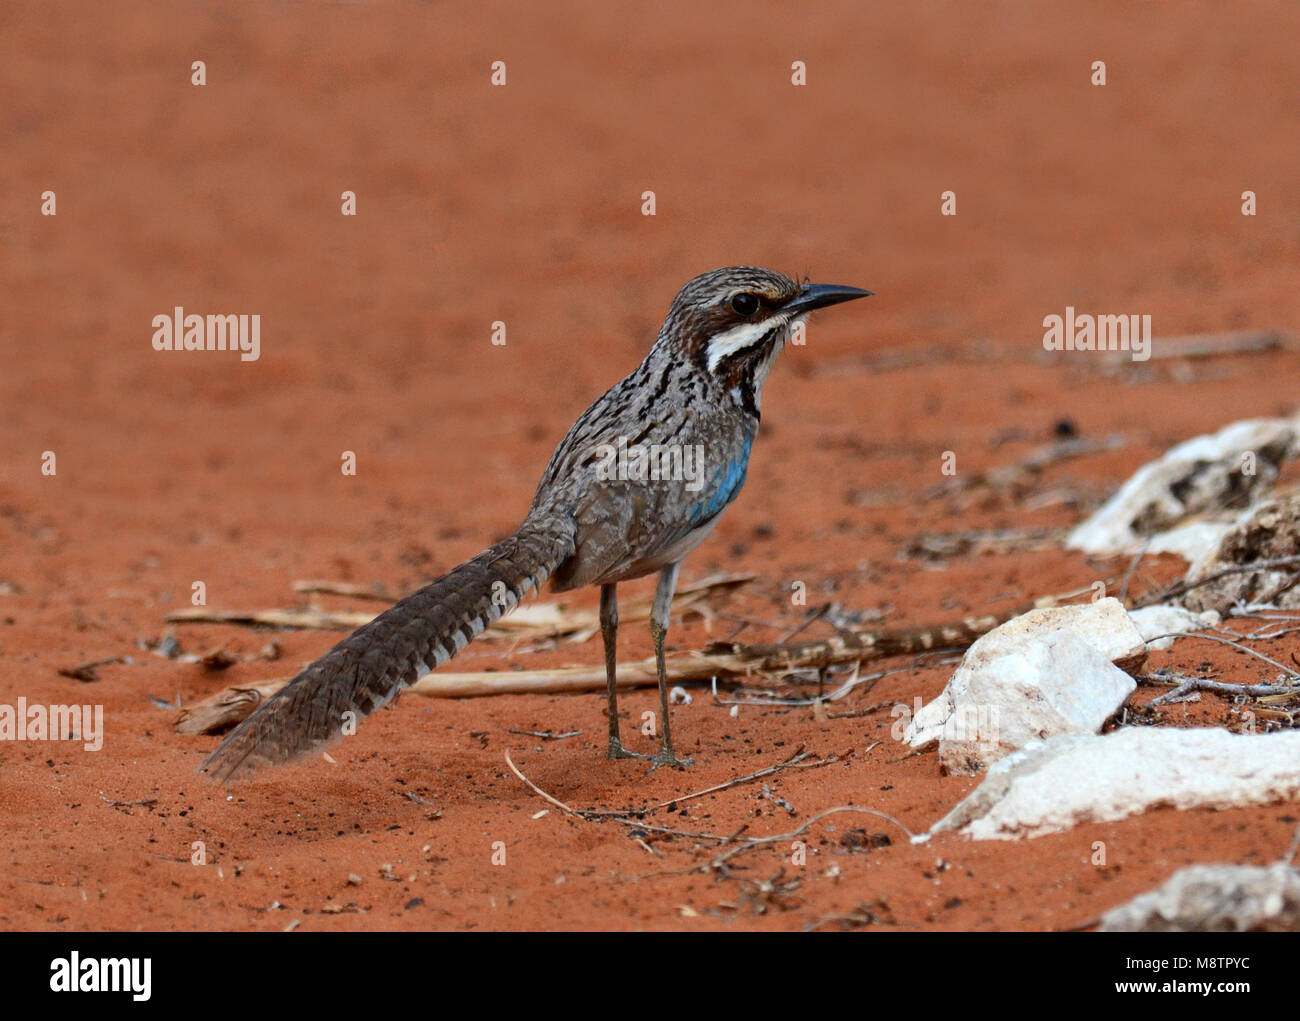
x: 725, y: 486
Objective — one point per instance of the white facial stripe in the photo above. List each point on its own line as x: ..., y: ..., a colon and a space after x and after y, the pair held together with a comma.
x: 738, y: 338
x: 761, y: 371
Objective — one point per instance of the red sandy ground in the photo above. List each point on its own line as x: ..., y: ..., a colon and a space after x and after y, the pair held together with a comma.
x: 522, y: 204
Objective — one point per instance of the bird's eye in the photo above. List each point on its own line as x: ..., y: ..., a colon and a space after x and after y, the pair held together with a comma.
x: 744, y: 303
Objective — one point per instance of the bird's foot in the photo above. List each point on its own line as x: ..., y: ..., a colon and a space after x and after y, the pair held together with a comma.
x: 667, y: 757
x: 617, y: 751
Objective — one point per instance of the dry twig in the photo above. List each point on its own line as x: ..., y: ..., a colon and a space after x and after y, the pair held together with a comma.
x: 86, y: 672
x: 1186, y: 586
x: 719, y: 863
x: 128, y: 804
x: 1222, y: 688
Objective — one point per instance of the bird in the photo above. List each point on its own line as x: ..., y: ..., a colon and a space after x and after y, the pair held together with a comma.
x: 637, y: 483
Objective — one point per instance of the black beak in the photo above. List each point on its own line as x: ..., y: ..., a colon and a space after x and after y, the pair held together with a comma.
x: 820, y: 295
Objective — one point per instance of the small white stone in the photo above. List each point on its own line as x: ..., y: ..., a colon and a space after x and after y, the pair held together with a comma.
x: 1049, y: 671
x: 1052, y: 785
x: 1152, y: 621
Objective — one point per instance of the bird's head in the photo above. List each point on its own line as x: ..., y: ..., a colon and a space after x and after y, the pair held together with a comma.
x: 731, y: 324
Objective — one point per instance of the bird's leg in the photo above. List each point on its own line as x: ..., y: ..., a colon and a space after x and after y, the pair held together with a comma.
x: 659, y: 615
x: 609, y: 632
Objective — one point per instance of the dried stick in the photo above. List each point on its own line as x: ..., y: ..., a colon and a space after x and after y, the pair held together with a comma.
x: 86, y: 671
x: 1186, y: 586
x: 797, y: 759
x: 1222, y: 688
x: 1209, y: 345
x: 537, y: 790
x: 343, y: 588
x: 226, y: 708
x: 319, y: 620
x: 545, y: 735
x: 622, y: 814
x: 128, y: 804
x: 1022, y: 473
x: 749, y: 843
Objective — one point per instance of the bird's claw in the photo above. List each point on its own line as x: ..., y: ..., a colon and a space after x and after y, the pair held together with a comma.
x: 667, y: 757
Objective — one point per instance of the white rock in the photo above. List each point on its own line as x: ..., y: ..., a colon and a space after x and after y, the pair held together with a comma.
x: 1052, y: 785
x: 1152, y: 621
x: 1268, y: 531
x: 1194, y: 477
x: 1191, y: 541
x: 1214, y: 898
x: 1049, y: 671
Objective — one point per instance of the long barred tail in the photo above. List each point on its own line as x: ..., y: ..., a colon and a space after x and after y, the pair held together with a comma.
x: 373, y: 664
